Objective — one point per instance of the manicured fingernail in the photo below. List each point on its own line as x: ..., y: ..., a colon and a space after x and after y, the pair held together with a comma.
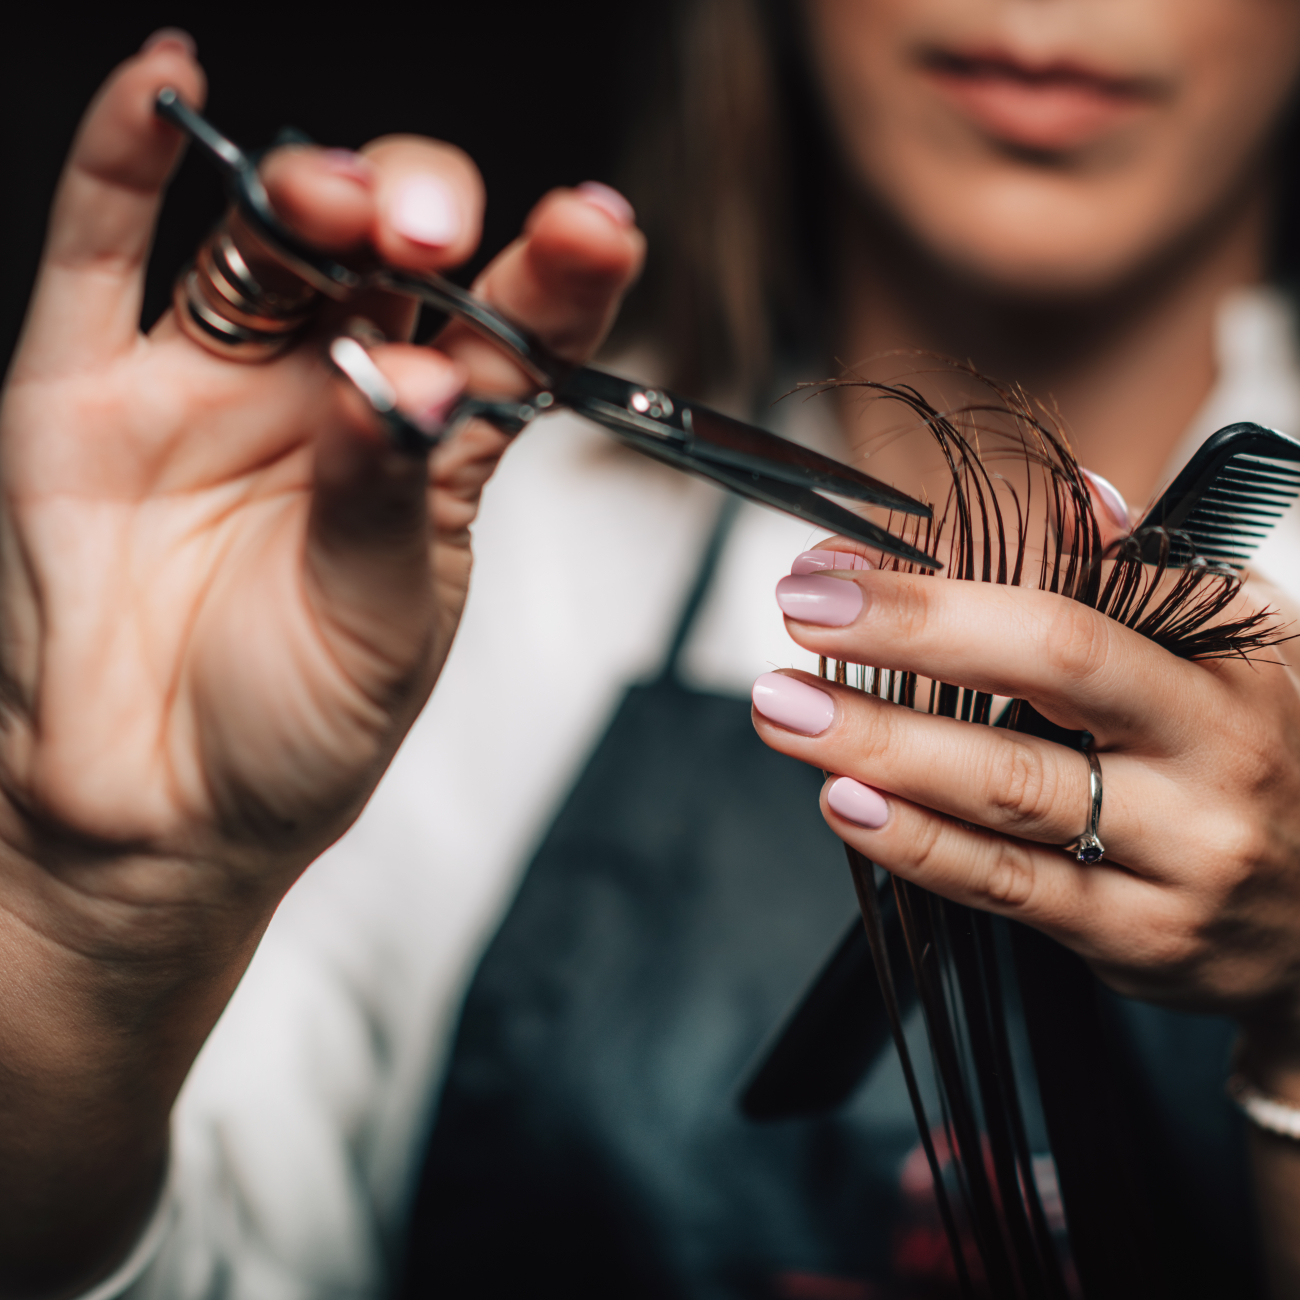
x: 429, y: 409
x: 174, y: 36
x: 816, y: 561
x: 793, y: 704
x: 1116, y: 506
x: 351, y: 166
x: 432, y: 418
x: 424, y: 210
x: 858, y: 803
x: 814, y: 598
x: 609, y: 201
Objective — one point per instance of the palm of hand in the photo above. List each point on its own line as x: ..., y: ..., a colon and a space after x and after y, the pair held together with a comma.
x: 174, y: 670
x: 225, y: 595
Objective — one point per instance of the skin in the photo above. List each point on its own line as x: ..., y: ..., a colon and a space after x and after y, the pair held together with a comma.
x: 1088, y: 274
x: 222, y: 576
x: 1092, y: 273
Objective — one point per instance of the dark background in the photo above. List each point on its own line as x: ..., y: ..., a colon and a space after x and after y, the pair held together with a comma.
x: 539, y: 95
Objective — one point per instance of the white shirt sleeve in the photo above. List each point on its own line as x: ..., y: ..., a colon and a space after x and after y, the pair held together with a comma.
x: 148, y: 1245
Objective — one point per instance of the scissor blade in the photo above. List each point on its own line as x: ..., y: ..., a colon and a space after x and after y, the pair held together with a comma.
x: 786, y: 497
x: 718, y: 438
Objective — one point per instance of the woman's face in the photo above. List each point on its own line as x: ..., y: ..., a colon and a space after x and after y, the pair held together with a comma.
x: 1055, y: 147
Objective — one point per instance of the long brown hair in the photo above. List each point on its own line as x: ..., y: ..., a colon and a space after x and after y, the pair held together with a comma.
x: 729, y: 172
x: 732, y: 169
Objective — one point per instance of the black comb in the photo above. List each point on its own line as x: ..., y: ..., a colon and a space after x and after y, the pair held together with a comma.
x: 1227, y: 497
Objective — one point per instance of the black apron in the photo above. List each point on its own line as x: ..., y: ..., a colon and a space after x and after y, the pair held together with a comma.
x: 587, y: 1143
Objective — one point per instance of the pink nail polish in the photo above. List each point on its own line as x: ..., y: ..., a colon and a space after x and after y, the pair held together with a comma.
x: 1109, y: 494
x: 174, y: 36
x: 609, y: 201
x: 430, y: 397
x: 431, y: 418
x: 424, y: 210
x: 793, y: 704
x: 815, y: 598
x: 351, y: 166
x: 816, y: 561
x: 858, y: 803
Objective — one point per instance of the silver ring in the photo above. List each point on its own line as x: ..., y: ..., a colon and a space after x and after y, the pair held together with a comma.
x: 1088, y: 848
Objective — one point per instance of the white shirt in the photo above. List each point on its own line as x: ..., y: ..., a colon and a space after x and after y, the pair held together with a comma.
x: 297, y: 1137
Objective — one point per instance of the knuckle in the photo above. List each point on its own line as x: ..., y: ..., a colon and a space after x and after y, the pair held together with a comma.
x: 875, y: 737
x: 909, y: 604
x: 1242, y: 843
x: 1261, y: 764
x: 1009, y: 882
x: 1172, y: 943
x: 1022, y: 786
x: 1077, y: 643
x: 926, y: 850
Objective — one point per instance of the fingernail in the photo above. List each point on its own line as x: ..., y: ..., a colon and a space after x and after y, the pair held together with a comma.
x: 176, y: 36
x: 609, y: 201
x: 432, y: 419
x: 351, y: 166
x: 424, y: 210
x: 430, y: 410
x: 793, y: 704
x: 816, y: 561
x: 858, y: 803
x: 1116, y: 506
x: 814, y: 598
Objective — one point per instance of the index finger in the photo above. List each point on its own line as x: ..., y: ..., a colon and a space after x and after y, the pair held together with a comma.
x: 415, y: 202
x: 562, y: 280
x: 1077, y: 667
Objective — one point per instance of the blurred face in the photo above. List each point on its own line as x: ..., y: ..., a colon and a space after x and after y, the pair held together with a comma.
x: 1055, y: 147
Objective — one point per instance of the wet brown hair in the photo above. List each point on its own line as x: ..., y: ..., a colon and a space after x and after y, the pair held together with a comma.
x: 1044, y: 534
x: 737, y: 186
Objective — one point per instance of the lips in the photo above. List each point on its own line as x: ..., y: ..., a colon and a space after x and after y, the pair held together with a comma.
x: 1052, y: 108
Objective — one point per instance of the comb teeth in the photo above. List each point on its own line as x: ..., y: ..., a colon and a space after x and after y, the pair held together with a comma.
x: 1239, y: 507
x: 1230, y: 496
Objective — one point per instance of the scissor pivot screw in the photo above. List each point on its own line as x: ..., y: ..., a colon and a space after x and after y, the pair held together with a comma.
x: 651, y: 402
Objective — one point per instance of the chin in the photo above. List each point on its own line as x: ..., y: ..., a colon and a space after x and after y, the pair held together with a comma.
x: 1020, y: 263
x: 1059, y: 241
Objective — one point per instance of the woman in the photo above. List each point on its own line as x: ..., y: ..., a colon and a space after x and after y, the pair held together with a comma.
x: 1064, y: 192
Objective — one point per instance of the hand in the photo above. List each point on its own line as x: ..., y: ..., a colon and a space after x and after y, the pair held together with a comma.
x: 225, y: 599
x: 1197, y: 903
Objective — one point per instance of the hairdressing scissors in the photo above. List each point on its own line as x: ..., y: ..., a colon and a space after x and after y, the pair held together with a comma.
x: 747, y: 460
